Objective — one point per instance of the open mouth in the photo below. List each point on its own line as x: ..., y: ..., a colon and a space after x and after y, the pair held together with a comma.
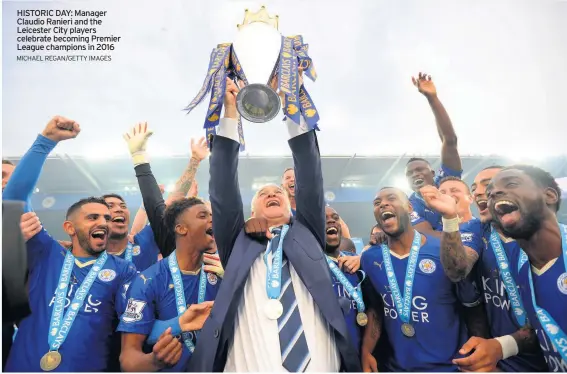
x: 419, y: 182
x: 272, y: 203
x: 291, y: 186
x: 507, y: 211
x: 209, y: 232
x: 332, y: 231
x: 388, y: 217
x: 119, y: 219
x: 99, y: 234
x: 482, y: 205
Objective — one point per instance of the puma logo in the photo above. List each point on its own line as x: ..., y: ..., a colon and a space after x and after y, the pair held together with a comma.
x: 379, y: 264
x: 144, y: 278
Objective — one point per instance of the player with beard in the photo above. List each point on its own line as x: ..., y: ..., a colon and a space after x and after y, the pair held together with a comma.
x: 523, y: 201
x: 75, y: 295
x: 418, y: 170
x: 151, y: 296
x: 508, y: 349
x: 418, y: 299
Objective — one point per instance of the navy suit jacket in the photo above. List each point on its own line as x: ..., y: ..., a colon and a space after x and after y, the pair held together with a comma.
x: 302, y: 245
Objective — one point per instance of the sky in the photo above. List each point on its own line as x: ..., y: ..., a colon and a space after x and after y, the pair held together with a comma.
x: 499, y: 67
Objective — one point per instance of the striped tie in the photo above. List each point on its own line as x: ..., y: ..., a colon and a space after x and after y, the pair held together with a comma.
x: 293, y: 346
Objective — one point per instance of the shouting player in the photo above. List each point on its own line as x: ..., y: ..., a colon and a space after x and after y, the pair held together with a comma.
x: 418, y: 299
x: 523, y: 201
x: 75, y: 294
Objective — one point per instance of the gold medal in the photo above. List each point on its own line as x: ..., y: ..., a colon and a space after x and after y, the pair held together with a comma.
x: 50, y: 361
x: 408, y: 330
x: 361, y: 319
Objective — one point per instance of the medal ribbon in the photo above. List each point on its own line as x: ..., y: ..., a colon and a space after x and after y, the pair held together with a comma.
x: 215, y: 62
x: 129, y: 252
x: 58, y: 334
x: 551, y: 328
x: 507, y: 278
x: 274, y: 273
x: 403, y: 306
x: 180, y: 292
x: 355, y: 293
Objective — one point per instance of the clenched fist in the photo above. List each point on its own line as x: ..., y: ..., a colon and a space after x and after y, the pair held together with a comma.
x: 439, y: 202
x: 61, y: 128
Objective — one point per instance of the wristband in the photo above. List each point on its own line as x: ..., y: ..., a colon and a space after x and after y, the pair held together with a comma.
x: 509, y: 346
x: 139, y: 158
x: 450, y: 225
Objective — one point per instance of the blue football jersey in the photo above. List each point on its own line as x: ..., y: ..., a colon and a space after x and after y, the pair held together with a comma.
x: 550, y: 290
x: 145, y: 250
x: 151, y: 297
x: 421, y: 212
x: 350, y: 316
x: 87, y: 345
x: 439, y: 328
x: 500, y: 314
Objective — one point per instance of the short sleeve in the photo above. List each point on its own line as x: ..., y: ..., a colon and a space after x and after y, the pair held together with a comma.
x: 416, y: 218
x: 445, y: 171
x: 139, y: 313
x: 472, y: 237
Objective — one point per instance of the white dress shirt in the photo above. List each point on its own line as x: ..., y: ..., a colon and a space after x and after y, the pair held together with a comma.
x: 255, y: 346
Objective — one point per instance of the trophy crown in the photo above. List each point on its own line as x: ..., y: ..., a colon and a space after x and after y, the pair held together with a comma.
x: 260, y: 16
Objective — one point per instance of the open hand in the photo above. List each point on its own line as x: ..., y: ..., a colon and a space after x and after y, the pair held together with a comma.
x: 199, y: 149
x: 349, y: 263
x: 424, y: 85
x: 138, y: 137
x: 195, y: 316
x: 213, y: 264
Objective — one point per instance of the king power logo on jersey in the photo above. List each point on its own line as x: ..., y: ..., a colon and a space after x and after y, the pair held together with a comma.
x: 550, y: 353
x: 418, y: 302
x: 90, y: 306
x: 495, y: 292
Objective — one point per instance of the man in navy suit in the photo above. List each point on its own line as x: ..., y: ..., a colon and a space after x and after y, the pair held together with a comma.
x: 276, y: 309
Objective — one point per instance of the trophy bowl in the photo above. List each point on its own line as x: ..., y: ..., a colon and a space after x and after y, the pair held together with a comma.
x: 257, y: 45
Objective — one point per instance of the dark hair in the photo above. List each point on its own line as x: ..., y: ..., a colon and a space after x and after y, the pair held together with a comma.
x: 7, y: 162
x: 492, y: 167
x: 88, y: 200
x: 542, y: 178
x: 376, y: 226
x: 418, y: 159
x: 453, y: 178
x: 347, y: 245
x: 108, y: 195
x: 176, y: 208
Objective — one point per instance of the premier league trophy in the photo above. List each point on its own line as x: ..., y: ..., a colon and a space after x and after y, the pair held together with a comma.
x: 264, y: 61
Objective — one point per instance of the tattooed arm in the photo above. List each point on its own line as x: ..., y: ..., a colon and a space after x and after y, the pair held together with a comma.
x: 199, y: 151
x: 457, y: 259
x: 373, y: 329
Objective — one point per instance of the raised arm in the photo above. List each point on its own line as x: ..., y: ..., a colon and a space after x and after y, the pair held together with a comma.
x: 224, y: 191
x: 309, y: 194
x: 449, y: 151
x: 26, y: 174
x: 456, y: 258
